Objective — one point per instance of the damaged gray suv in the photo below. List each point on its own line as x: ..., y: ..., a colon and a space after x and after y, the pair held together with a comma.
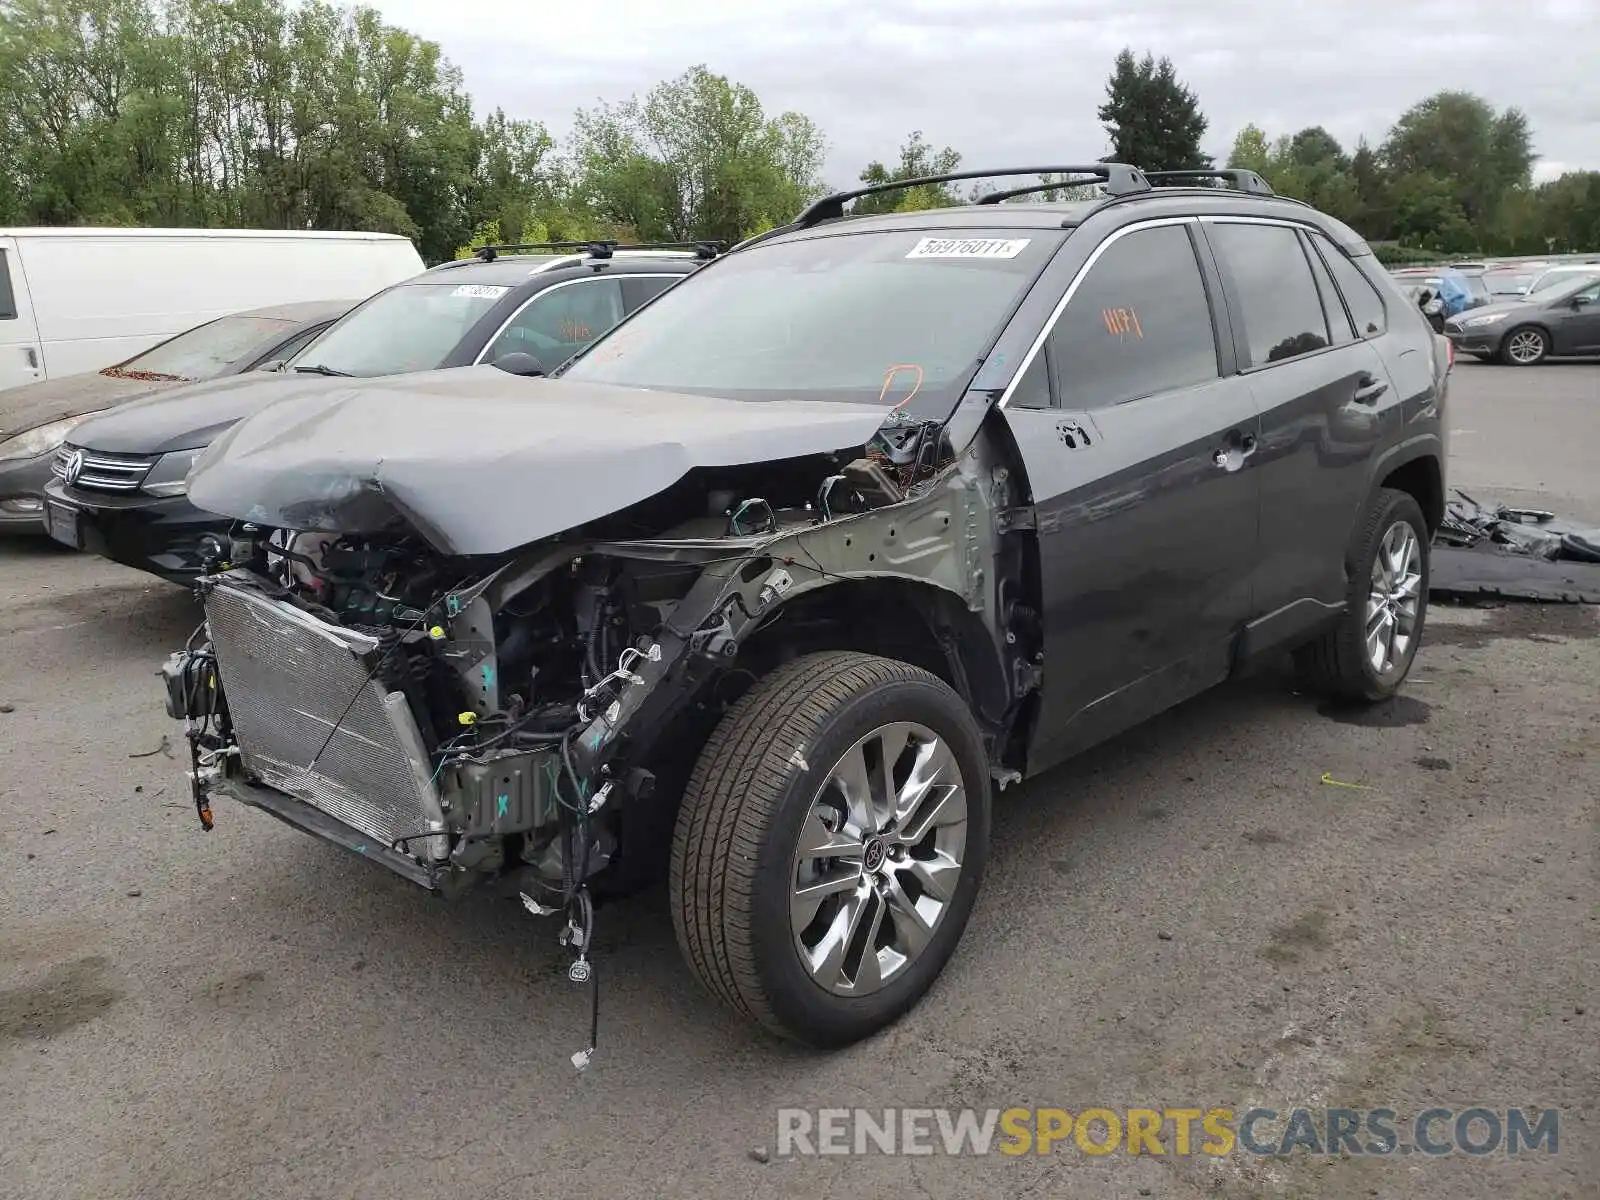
x: 777, y: 583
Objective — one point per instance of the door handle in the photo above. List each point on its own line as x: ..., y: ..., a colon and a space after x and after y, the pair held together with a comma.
x: 32, y: 356
x: 1368, y: 389
x: 1231, y: 458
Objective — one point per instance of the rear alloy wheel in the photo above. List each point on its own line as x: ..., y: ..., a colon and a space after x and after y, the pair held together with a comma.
x: 1365, y: 657
x: 830, y: 845
x: 1525, y: 346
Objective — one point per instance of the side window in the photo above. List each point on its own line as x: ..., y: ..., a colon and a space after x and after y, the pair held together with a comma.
x: 1138, y: 324
x: 1362, y: 298
x: 1033, y: 389
x: 1332, y: 307
x: 638, y: 290
x: 1280, y: 309
x: 556, y: 324
x: 8, y: 302
x: 1589, y: 295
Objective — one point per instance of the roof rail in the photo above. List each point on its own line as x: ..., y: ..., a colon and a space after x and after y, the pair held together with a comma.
x: 1120, y: 180
x: 1236, y: 178
x: 597, y: 248
x: 1012, y: 193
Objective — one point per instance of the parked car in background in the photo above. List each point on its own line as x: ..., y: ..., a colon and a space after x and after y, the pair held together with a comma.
x: 119, y: 486
x: 35, y: 419
x: 1557, y: 321
x: 75, y: 300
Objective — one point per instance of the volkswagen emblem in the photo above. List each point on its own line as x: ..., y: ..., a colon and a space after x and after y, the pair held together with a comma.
x: 72, y: 466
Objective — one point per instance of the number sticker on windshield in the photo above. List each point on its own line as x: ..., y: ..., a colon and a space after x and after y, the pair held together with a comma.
x: 481, y: 291
x: 930, y: 247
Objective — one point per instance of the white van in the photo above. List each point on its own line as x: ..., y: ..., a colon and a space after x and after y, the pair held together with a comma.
x: 76, y: 300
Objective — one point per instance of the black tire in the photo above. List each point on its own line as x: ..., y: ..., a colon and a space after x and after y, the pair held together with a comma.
x: 1337, y: 663
x: 1530, y: 334
x: 741, y: 817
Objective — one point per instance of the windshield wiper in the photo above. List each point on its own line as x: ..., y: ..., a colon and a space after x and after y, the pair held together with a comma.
x: 319, y: 369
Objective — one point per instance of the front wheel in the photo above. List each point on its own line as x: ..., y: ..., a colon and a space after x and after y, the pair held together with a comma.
x: 1365, y: 657
x: 830, y: 845
x: 1525, y: 346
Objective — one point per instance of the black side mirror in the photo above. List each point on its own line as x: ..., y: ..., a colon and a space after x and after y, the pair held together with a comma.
x: 520, y: 362
x: 1580, y: 301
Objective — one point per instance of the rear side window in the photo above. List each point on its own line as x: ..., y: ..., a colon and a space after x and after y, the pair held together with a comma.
x: 1278, y: 301
x: 638, y: 290
x: 1138, y: 324
x: 8, y: 302
x: 1366, y: 306
x: 1332, y: 307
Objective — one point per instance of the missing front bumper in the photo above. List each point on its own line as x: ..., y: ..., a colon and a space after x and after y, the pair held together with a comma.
x: 330, y: 829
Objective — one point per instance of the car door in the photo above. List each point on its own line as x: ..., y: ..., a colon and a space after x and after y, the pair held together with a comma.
x: 1325, y: 398
x: 1575, y: 322
x: 20, y: 360
x: 559, y: 321
x: 1138, y: 445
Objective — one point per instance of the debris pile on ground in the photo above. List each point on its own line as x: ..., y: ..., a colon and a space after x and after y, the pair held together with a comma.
x: 1530, y: 554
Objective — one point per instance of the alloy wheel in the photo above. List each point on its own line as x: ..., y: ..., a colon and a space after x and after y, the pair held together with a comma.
x: 1395, y: 598
x: 1525, y: 346
x: 880, y: 854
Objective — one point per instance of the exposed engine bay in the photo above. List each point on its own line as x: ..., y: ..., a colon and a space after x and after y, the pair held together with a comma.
x: 528, y: 720
x: 523, y: 703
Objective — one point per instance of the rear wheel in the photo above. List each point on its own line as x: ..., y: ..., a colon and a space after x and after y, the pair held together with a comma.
x: 830, y: 845
x: 1525, y: 346
x: 1367, y: 654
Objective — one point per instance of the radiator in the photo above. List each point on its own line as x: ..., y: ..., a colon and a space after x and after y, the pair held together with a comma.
x: 290, y: 680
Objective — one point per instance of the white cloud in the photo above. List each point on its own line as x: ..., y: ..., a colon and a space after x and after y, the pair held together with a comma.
x: 1019, y: 80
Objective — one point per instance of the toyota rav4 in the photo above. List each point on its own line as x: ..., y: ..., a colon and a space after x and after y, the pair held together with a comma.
x: 775, y: 584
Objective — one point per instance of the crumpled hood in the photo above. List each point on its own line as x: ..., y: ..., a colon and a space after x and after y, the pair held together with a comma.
x: 34, y: 404
x: 481, y: 462
x: 182, y: 418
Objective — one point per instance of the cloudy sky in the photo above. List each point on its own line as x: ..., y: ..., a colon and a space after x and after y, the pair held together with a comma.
x: 1017, y: 82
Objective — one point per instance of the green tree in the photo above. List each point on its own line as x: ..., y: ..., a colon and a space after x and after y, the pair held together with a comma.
x: 918, y: 160
x: 1458, y: 137
x: 1251, y: 151
x: 1428, y: 215
x: 1153, y: 120
x: 696, y: 158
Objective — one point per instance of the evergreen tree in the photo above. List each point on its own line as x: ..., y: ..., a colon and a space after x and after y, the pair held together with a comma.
x: 1153, y: 120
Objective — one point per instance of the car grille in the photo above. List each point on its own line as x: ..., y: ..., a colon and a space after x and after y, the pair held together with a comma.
x: 289, y: 679
x: 101, y: 472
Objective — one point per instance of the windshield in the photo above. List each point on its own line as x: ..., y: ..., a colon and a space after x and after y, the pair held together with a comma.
x: 1556, y: 276
x: 203, y: 352
x: 1507, y: 283
x: 412, y: 327
x: 870, y: 317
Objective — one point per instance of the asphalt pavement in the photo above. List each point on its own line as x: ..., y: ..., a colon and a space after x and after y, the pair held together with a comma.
x: 1255, y: 900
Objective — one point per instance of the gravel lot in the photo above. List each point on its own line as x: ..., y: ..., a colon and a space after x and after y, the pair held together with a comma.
x: 1187, y: 917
